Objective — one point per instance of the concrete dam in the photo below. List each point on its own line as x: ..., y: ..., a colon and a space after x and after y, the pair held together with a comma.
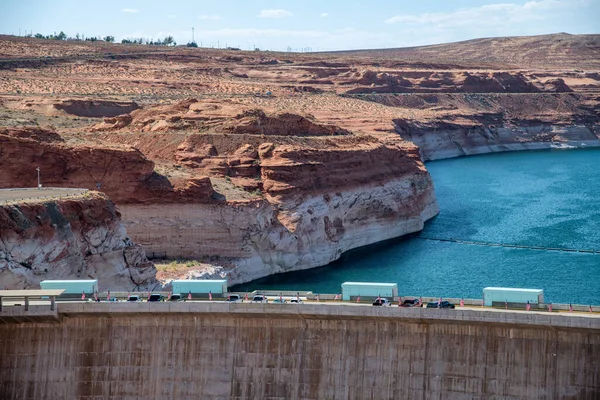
x: 211, y: 350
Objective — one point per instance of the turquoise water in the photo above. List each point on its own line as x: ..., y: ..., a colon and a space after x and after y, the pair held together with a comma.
x: 543, y: 198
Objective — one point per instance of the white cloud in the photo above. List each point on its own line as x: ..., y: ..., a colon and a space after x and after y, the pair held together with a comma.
x: 323, y: 15
x: 213, y: 17
x: 274, y: 14
x: 491, y: 15
x: 513, y: 18
x: 130, y: 10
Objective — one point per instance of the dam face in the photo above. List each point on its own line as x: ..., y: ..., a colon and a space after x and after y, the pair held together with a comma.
x: 262, y: 351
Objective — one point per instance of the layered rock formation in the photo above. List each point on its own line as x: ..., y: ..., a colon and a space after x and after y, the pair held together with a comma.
x: 77, y: 107
x: 503, y: 123
x: 79, y: 237
x: 124, y: 173
x: 447, y: 141
x: 319, y: 202
x: 276, y: 164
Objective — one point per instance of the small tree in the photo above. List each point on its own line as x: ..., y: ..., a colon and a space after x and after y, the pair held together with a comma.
x: 39, y: 36
x: 168, y: 41
x: 61, y: 36
x: 109, y: 39
x: 192, y: 44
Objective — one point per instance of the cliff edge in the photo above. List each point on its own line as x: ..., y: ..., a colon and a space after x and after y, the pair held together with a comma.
x: 77, y: 237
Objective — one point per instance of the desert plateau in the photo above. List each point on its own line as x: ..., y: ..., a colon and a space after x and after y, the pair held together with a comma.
x: 242, y: 164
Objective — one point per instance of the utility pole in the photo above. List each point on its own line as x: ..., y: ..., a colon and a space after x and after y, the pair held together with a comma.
x: 38, y: 171
x: 193, y: 35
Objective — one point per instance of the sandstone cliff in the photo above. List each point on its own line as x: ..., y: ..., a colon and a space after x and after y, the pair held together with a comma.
x: 123, y: 172
x: 320, y: 201
x: 455, y: 140
x: 477, y: 124
x: 78, y: 237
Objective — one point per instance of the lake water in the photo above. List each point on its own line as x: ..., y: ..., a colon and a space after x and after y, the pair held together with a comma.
x: 544, y: 199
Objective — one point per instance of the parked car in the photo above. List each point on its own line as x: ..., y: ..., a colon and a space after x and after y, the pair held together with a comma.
x: 134, y: 298
x: 443, y: 304
x: 113, y: 300
x: 382, y: 302
x: 234, y: 298
x: 410, y: 303
x: 260, y: 299
x: 279, y: 301
x: 296, y: 300
x: 176, y: 297
x: 156, y: 297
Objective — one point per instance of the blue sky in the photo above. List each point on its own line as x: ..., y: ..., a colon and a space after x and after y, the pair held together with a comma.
x: 319, y: 25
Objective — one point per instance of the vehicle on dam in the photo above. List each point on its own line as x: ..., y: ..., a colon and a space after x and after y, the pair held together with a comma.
x: 154, y: 297
x: 410, y: 303
x: 201, y: 288
x: 440, y: 304
x: 382, y: 302
x: 260, y: 299
x: 176, y: 297
x: 134, y: 298
x: 234, y: 298
x: 72, y: 288
x: 113, y: 300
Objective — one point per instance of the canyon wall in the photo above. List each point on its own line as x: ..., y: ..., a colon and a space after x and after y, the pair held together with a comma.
x: 217, y: 351
x: 318, y: 203
x: 78, y: 237
x: 307, y: 200
x: 455, y: 141
x: 253, y: 238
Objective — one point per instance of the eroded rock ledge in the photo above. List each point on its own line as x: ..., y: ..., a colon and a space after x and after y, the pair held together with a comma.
x: 319, y: 202
x: 79, y: 237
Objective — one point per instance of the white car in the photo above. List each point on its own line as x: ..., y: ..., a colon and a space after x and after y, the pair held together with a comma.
x: 382, y: 302
x: 234, y: 298
x: 260, y: 299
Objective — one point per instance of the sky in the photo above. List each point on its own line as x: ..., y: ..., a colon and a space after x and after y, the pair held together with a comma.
x: 301, y: 25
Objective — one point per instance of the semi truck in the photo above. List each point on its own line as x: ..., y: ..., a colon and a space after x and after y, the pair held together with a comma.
x: 200, y: 287
x: 368, y: 290
x: 501, y: 295
x: 73, y: 288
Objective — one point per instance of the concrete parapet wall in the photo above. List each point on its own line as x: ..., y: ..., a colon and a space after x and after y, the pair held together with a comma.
x: 201, y: 350
x: 34, y: 313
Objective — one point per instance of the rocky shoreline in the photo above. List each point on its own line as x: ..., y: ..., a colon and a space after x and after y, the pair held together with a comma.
x: 449, y: 143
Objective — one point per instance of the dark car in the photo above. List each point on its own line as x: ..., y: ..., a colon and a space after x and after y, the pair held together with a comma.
x: 156, y: 297
x: 134, y: 298
x: 176, y: 297
x: 443, y: 304
x: 410, y: 303
x: 382, y: 302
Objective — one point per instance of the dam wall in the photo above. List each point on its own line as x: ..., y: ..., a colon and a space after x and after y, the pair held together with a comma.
x: 200, y: 350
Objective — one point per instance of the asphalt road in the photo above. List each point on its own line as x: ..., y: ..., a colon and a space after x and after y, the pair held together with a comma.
x: 16, y: 194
